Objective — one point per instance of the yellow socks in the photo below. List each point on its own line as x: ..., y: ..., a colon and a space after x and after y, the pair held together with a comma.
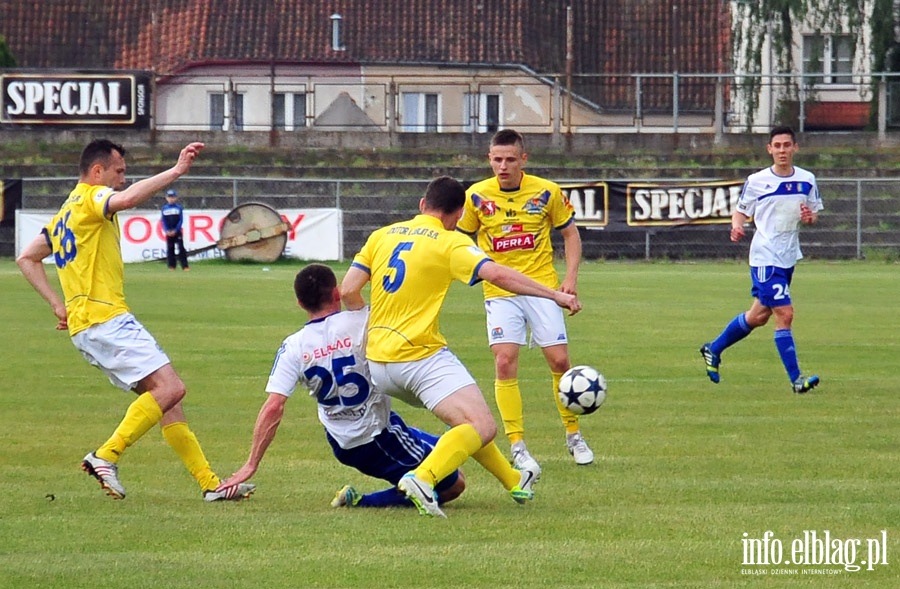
x: 185, y: 444
x: 141, y: 415
x: 569, y: 419
x: 452, y: 449
x: 509, y: 403
x: 492, y: 459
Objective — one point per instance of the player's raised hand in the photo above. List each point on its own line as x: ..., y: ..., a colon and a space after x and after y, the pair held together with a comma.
x: 187, y: 156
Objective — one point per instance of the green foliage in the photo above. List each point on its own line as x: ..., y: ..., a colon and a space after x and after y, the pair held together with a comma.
x: 755, y: 20
x: 7, y: 60
x: 684, y: 468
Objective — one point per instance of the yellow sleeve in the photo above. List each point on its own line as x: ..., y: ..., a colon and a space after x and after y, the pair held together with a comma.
x: 469, y: 222
x: 561, y: 210
x: 465, y: 259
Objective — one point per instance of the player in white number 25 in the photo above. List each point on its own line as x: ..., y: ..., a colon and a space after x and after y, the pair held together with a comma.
x: 327, y: 356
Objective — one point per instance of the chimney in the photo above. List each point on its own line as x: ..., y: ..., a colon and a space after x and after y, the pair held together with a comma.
x: 336, y: 44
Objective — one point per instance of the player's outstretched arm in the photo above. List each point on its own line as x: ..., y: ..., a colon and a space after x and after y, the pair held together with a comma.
x: 142, y: 190
x: 267, y: 423
x: 31, y: 264
x: 514, y: 281
x: 351, y: 288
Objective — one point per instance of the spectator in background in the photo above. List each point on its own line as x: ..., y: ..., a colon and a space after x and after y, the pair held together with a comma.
x: 172, y: 219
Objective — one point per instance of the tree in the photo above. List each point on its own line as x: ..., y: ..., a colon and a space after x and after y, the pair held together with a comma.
x: 755, y: 21
x: 6, y: 56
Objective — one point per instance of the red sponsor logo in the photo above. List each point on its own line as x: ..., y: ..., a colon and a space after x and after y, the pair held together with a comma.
x: 514, y: 242
x: 517, y: 228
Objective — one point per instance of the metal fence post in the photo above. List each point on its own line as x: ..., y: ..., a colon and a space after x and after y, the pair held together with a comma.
x: 859, y: 254
x: 675, y: 102
x: 720, y: 111
x: 638, y: 114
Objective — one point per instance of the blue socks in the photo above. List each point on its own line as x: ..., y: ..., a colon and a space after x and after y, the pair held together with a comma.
x: 784, y: 341
x: 733, y: 333
x: 391, y: 497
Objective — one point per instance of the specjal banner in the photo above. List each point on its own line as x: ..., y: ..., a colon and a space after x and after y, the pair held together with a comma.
x: 75, y: 98
x: 619, y: 206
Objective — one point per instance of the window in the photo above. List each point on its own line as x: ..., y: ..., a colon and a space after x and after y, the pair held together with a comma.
x: 290, y: 111
x: 238, y: 111
x: 486, y: 111
x: 828, y: 59
x: 219, y: 111
x: 216, y: 112
x: 420, y: 112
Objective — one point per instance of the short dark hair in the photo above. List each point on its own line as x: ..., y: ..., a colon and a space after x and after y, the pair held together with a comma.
x: 445, y: 194
x: 508, y: 137
x: 98, y: 151
x: 313, y: 286
x: 782, y: 130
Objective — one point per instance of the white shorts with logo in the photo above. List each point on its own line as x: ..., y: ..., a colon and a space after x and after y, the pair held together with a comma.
x: 421, y: 382
x: 509, y: 318
x: 122, y: 348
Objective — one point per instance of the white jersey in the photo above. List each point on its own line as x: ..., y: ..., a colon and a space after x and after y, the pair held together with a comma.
x: 328, y: 356
x: 774, y: 203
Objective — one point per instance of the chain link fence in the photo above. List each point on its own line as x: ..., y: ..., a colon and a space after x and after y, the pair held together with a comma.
x: 861, y: 219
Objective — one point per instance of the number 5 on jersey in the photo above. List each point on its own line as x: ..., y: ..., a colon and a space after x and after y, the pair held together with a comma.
x: 399, y: 267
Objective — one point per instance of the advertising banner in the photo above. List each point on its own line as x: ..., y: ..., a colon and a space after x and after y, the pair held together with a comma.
x: 636, y: 205
x: 110, y: 99
x: 315, y: 234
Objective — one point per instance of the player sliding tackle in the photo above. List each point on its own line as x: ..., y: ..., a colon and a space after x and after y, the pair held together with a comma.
x: 411, y: 266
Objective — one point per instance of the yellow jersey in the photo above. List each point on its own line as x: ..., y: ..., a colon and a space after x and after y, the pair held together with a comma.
x: 88, y: 257
x: 513, y: 226
x: 411, y: 266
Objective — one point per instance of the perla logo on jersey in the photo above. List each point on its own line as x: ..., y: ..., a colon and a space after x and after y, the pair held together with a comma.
x: 524, y: 241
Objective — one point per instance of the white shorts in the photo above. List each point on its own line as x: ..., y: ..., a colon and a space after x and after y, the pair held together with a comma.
x: 509, y: 317
x: 122, y: 348
x: 421, y: 382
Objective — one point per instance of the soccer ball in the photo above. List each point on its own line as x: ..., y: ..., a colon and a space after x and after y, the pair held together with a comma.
x: 582, y: 389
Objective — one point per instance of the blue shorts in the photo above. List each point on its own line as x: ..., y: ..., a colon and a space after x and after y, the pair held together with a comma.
x: 391, y: 454
x: 771, y: 285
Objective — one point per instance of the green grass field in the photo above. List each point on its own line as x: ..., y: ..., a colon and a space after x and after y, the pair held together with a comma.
x: 686, y: 471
